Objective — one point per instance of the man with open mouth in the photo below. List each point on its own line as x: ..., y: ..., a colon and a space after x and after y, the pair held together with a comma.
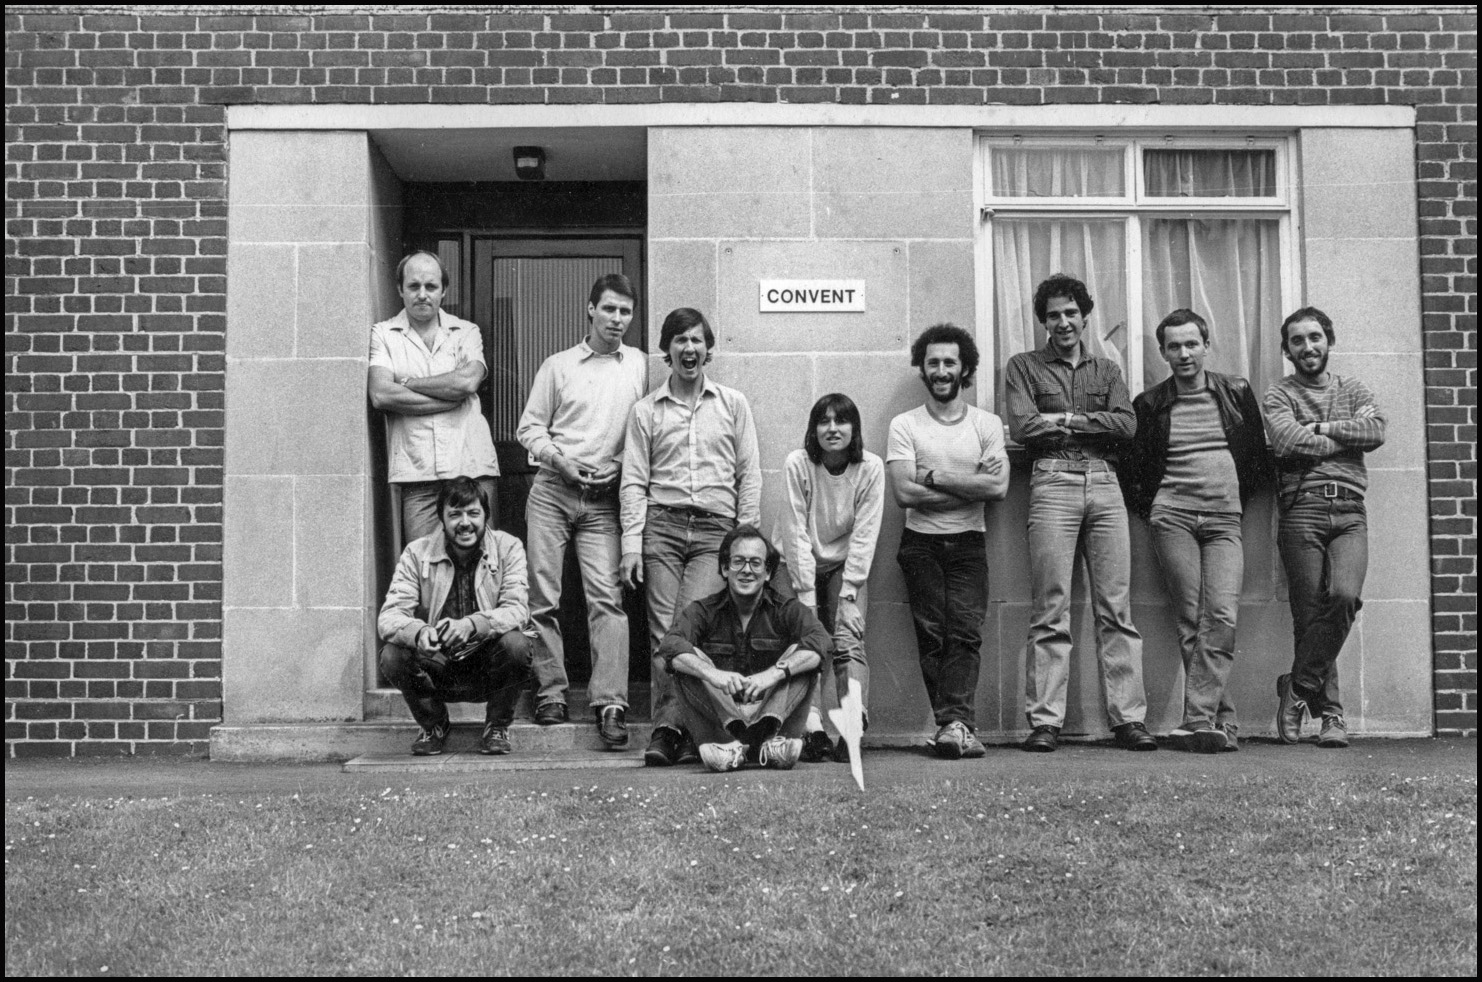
x: 691, y: 473
x: 1321, y: 424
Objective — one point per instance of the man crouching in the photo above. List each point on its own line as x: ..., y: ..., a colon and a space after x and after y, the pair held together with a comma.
x: 453, y: 619
x: 746, y: 661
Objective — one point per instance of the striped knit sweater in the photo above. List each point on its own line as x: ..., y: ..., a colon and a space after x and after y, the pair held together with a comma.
x: 1349, y: 430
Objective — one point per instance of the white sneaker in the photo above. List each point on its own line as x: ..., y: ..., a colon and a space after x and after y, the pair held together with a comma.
x: 781, y: 753
x: 723, y: 756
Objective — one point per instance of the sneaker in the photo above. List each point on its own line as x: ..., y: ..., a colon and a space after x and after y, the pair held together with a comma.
x: 688, y: 752
x: 817, y: 747
x: 725, y: 756
x: 780, y: 753
x: 612, y: 726
x: 1134, y: 736
x: 1198, y: 738
x: 1042, y: 740
x: 494, y: 741
x: 550, y: 713
x: 663, y: 748
x: 1334, y: 732
x: 971, y: 748
x: 840, y: 754
x: 1290, y: 710
x: 431, y: 740
x: 952, y: 739
x: 1232, y: 742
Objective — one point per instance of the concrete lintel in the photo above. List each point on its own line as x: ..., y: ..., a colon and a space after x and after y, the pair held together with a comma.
x: 1082, y: 117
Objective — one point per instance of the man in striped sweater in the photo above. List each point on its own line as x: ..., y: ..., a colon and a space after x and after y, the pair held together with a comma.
x: 1321, y: 424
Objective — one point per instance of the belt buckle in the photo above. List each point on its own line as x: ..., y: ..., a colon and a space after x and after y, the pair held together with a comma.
x: 1330, y: 490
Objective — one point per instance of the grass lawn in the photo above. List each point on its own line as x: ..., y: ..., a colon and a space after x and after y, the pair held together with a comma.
x: 757, y: 874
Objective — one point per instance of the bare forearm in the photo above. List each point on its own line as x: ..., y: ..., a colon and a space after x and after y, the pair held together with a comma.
x: 451, y: 387
x: 972, y: 487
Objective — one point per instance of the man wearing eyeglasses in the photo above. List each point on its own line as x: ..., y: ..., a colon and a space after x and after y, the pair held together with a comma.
x: 745, y: 662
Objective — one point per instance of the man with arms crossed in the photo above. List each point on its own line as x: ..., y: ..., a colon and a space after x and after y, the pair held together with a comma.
x: 691, y: 473
x: 945, y: 459
x: 452, y: 622
x: 425, y: 369
x: 1198, y: 455
x: 1321, y: 424
x: 573, y: 425
x: 1072, y: 412
x: 746, y: 661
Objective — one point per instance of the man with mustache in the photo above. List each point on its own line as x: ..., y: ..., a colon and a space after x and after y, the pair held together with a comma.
x: 1198, y: 456
x: 691, y: 473
x: 745, y: 661
x: 1071, y: 411
x: 453, y: 622
x: 1321, y: 424
x: 945, y: 459
x: 425, y: 370
x: 573, y: 425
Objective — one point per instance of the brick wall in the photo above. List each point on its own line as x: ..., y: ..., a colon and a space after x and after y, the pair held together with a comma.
x: 115, y: 259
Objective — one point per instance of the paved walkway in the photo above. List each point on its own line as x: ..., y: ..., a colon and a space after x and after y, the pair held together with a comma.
x: 178, y: 777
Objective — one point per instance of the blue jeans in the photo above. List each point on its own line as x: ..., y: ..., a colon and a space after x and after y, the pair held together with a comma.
x: 1203, y: 566
x: 849, y: 652
x: 714, y: 717
x: 681, y: 564
x: 494, y: 673
x: 1325, y: 548
x: 947, y: 586
x: 554, y: 514
x: 1071, y: 512
x: 419, y: 515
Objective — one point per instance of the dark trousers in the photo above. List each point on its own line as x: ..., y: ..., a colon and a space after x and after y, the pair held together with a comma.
x: 1325, y: 548
x: 712, y: 716
x: 492, y: 673
x: 947, y: 585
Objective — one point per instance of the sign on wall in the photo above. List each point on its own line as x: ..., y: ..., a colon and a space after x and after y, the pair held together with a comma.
x: 811, y: 296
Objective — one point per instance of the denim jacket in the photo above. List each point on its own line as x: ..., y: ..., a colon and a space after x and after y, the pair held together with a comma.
x: 1146, y: 458
x: 424, y: 577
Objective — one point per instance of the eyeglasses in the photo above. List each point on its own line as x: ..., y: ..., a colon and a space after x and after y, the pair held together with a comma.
x: 738, y: 563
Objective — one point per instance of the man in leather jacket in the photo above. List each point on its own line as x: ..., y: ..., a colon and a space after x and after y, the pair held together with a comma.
x: 1198, y: 455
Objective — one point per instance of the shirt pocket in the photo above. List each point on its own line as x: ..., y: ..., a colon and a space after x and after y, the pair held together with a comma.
x: 1048, y: 397
x: 1094, y: 398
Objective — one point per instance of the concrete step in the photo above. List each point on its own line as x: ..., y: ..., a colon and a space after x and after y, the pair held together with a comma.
x: 306, y: 742
x: 387, y: 704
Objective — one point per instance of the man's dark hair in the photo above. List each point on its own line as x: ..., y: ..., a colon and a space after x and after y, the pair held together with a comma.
x: 845, y: 411
x: 967, y: 348
x: 1062, y: 285
x: 617, y: 283
x: 747, y: 531
x: 681, y: 319
x: 401, y: 267
x: 1308, y: 314
x: 459, y: 493
x: 1179, y: 318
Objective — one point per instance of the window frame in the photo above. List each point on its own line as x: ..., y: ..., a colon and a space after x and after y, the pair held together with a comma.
x: 1130, y: 208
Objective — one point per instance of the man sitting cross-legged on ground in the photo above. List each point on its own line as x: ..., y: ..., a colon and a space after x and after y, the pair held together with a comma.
x: 745, y: 661
x: 453, y: 622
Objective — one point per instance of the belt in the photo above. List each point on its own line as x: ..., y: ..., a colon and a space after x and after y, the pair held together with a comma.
x: 1089, y: 466
x: 686, y: 511
x: 1333, y: 491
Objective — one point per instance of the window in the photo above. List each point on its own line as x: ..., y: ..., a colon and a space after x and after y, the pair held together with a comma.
x: 1150, y: 224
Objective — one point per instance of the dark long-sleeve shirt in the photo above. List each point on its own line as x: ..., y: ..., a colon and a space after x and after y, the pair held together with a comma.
x: 713, y: 625
x: 1042, y: 382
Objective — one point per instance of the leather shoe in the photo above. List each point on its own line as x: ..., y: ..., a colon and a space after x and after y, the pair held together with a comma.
x: 663, y: 748
x: 688, y: 752
x: 550, y: 713
x: 817, y: 747
x: 612, y: 726
x: 1042, y: 741
x: 1291, y: 709
x: 1134, y: 736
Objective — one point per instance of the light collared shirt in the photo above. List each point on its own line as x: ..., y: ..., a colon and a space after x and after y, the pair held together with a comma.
x: 437, y: 446
x: 579, y: 404
x: 704, y: 458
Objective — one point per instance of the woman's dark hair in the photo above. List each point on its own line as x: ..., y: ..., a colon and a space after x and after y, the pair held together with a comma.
x: 845, y: 411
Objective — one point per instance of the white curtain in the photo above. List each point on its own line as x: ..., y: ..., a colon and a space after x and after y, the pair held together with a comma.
x: 1209, y: 173
x: 1028, y: 250
x: 1228, y: 270
x: 1059, y: 172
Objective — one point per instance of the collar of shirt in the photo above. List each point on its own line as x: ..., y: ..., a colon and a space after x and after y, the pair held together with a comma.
x: 488, y: 550
x: 586, y: 351
x: 709, y: 389
x: 403, y: 323
x: 1050, y: 353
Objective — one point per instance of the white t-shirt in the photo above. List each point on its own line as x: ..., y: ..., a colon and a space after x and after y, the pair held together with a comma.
x: 919, y: 439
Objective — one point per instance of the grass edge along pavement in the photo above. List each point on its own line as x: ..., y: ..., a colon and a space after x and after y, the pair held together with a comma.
x: 1178, y: 870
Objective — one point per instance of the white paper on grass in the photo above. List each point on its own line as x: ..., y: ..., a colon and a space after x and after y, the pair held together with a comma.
x: 848, y: 719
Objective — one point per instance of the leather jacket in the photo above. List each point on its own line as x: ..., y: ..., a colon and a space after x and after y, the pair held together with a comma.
x: 1145, y: 458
